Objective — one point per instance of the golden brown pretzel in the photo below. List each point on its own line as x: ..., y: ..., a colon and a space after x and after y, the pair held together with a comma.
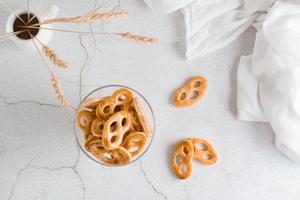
x: 141, y: 117
x: 115, y: 128
x: 105, y: 108
x: 121, y: 155
x: 182, y: 159
x: 191, y: 93
x: 204, y: 151
x: 92, y: 103
x: 135, y: 143
x: 97, y: 127
x: 123, y: 96
x: 84, y: 120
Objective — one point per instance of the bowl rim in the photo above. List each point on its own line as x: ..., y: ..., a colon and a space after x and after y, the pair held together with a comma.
x: 76, y: 128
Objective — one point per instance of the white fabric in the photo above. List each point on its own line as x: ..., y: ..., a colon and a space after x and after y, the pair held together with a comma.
x: 167, y: 6
x: 269, y: 80
x: 212, y: 24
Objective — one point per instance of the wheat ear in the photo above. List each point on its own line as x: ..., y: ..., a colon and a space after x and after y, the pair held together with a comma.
x: 49, y: 53
x: 58, y: 91
x: 88, y: 18
x: 138, y: 38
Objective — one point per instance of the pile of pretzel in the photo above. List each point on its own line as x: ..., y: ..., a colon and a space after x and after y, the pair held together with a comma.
x: 115, y: 128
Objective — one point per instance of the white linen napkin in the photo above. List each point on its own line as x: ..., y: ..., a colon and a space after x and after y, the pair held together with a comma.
x: 212, y: 24
x: 269, y: 80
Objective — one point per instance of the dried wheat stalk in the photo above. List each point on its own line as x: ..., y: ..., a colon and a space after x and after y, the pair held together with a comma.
x: 58, y: 91
x: 89, y: 17
x: 138, y: 38
x: 49, y: 53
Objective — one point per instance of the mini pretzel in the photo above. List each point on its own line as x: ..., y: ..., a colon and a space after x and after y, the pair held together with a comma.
x: 115, y: 128
x: 191, y: 93
x: 92, y: 140
x: 182, y: 159
x: 123, y: 96
x: 92, y: 103
x: 121, y: 155
x: 109, y: 106
x: 142, y: 117
x: 97, y: 127
x: 204, y: 151
x: 135, y: 141
x: 84, y: 121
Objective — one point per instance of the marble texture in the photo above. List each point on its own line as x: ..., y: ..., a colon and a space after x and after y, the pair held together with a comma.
x: 38, y: 152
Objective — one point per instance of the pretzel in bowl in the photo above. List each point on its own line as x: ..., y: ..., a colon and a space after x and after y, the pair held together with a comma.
x: 92, y: 103
x: 204, y: 151
x: 119, y: 101
x: 97, y: 127
x: 190, y: 93
x: 134, y: 143
x: 182, y: 159
x: 115, y: 128
x: 141, y: 117
x: 84, y: 120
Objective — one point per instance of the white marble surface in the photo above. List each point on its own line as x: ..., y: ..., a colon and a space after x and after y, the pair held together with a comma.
x: 38, y: 152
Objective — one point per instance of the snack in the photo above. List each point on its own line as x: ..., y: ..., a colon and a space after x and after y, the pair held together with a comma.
x: 190, y: 93
x: 204, y: 151
x: 84, y: 121
x: 182, y: 159
x: 97, y: 127
x: 135, y: 143
x: 141, y: 118
x: 115, y: 127
x: 188, y: 149
x: 120, y: 100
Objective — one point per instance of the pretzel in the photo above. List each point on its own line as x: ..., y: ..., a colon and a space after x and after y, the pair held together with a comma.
x: 97, y: 127
x: 204, y: 151
x: 190, y: 93
x: 92, y: 103
x: 142, y: 117
x: 111, y: 105
x: 84, y: 120
x: 135, y: 143
x: 123, y: 96
x: 95, y: 146
x: 182, y: 159
x: 115, y: 128
x: 121, y: 155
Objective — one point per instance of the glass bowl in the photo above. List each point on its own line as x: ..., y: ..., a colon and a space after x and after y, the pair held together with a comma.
x: 108, y: 91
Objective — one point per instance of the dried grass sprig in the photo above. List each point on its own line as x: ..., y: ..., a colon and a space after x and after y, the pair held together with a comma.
x: 59, y: 93
x: 88, y: 18
x: 49, y: 53
x: 138, y: 38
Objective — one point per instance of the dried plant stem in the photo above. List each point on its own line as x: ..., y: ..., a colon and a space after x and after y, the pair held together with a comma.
x: 55, y: 83
x: 138, y: 38
x: 87, y: 19
x: 59, y: 93
x: 8, y: 35
x: 50, y: 53
x: 130, y: 36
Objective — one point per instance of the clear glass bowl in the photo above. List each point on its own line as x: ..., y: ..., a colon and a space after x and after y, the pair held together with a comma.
x: 108, y: 91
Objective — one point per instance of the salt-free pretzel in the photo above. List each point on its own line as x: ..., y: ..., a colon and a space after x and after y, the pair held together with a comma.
x: 97, y: 127
x: 204, y: 151
x: 95, y: 146
x: 84, y: 120
x: 119, y: 101
x: 123, y: 96
x: 190, y: 93
x: 121, y: 155
x: 135, y: 143
x: 115, y: 128
x: 182, y: 159
x: 142, y: 117
x: 92, y: 103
